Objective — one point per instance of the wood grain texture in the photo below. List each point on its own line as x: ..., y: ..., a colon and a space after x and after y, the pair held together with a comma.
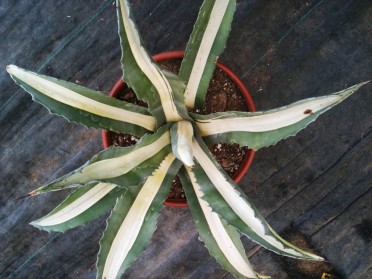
x: 316, y: 185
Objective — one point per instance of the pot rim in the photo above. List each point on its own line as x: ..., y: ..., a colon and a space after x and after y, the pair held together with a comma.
x: 248, y: 158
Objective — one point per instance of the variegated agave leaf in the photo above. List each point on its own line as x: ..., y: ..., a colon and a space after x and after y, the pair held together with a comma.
x: 226, y: 199
x: 178, y: 88
x: 182, y: 133
x: 123, y: 166
x: 262, y: 129
x: 82, y: 105
x: 206, y: 43
x: 136, y: 180
x: 81, y: 206
x: 222, y: 240
x: 133, y: 221
x: 142, y: 74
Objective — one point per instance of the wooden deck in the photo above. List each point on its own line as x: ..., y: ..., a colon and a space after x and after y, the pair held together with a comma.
x: 314, y: 188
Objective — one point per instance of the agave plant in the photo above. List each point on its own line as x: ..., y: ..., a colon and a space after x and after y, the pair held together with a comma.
x: 134, y: 181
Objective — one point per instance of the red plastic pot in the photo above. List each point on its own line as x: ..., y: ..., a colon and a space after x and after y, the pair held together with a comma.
x: 119, y: 85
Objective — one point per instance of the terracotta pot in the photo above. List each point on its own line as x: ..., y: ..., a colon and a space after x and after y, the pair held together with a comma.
x: 119, y: 85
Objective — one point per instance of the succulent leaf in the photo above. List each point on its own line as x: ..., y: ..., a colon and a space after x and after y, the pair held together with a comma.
x: 262, y: 129
x: 222, y: 240
x: 141, y: 73
x: 178, y: 87
x: 82, y: 105
x: 133, y: 221
x: 225, y: 198
x: 206, y: 43
x: 181, y: 138
x: 81, y: 206
x: 135, y: 180
x: 123, y: 166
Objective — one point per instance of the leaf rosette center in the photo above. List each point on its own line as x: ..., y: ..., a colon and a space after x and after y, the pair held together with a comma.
x: 182, y: 133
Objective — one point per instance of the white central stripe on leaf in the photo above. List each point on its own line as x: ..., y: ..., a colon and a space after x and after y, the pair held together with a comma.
x: 269, y: 121
x: 184, y: 142
x: 152, y: 72
x: 220, y: 234
x: 118, y: 166
x: 78, y: 206
x: 232, y: 197
x: 183, y: 147
x: 206, y: 44
x: 76, y: 100
x: 132, y: 224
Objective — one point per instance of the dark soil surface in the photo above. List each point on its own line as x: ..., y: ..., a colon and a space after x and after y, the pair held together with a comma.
x: 223, y: 95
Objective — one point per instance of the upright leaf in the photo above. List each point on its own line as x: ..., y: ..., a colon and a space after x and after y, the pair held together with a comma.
x: 206, y: 43
x: 142, y: 73
x: 178, y: 88
x: 133, y: 221
x: 262, y: 129
x: 182, y: 133
x: 82, y: 105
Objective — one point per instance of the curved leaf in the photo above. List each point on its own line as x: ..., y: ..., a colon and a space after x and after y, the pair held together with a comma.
x: 141, y: 72
x: 133, y: 221
x: 206, y: 43
x: 225, y: 198
x: 123, y: 166
x: 262, y: 129
x: 222, y: 240
x: 82, y: 105
x: 81, y: 206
